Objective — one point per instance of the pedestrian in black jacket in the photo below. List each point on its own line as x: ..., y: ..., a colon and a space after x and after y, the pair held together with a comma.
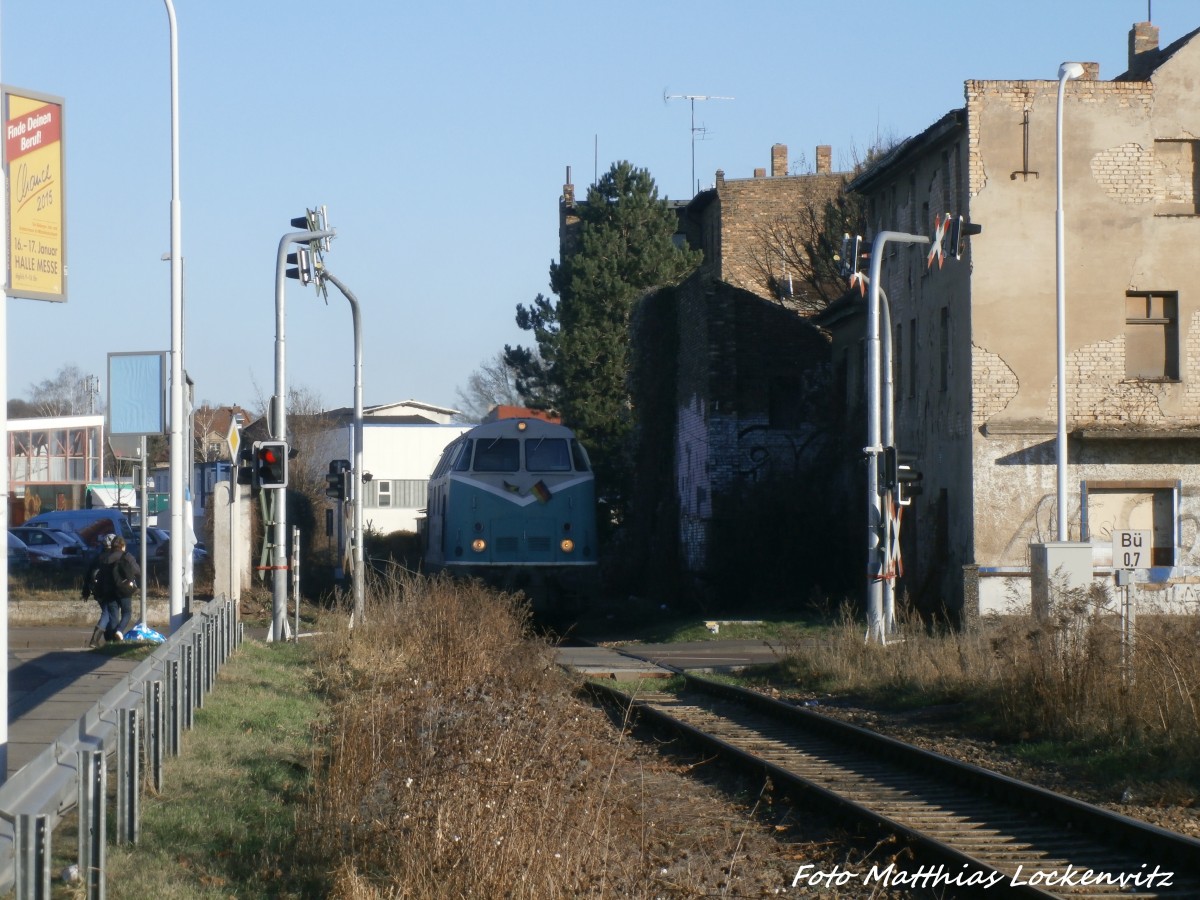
x: 113, y: 579
x: 90, y: 585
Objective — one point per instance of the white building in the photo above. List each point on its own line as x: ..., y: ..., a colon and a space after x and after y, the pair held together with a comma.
x: 402, y: 442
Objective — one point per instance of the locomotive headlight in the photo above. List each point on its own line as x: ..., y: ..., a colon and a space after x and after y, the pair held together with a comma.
x: 567, y: 545
x: 479, y: 545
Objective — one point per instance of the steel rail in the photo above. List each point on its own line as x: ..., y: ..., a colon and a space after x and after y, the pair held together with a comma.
x: 955, y: 813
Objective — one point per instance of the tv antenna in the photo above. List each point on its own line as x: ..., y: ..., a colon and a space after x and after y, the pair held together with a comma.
x: 695, y: 131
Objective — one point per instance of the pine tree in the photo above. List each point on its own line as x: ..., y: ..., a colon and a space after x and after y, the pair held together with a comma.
x: 626, y: 247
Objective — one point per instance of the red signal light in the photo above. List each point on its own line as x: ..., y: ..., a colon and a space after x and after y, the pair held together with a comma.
x: 270, y: 464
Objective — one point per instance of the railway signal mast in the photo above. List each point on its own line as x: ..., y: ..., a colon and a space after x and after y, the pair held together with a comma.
x: 701, y: 131
x: 314, y: 239
x: 892, y: 477
x: 309, y: 268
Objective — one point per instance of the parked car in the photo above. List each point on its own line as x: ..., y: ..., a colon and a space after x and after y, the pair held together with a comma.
x: 90, y: 524
x: 50, y: 546
x: 18, y: 554
x: 158, y: 547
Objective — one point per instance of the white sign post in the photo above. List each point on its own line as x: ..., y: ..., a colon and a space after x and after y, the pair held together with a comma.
x: 1130, y: 550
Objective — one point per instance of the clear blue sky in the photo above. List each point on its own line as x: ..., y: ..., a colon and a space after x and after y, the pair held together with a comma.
x: 439, y: 135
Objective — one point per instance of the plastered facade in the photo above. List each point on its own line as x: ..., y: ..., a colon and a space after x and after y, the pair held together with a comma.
x: 977, y: 357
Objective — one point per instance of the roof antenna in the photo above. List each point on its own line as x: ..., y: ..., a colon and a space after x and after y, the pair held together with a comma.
x: 701, y: 130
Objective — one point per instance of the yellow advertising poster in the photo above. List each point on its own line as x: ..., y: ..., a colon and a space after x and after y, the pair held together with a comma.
x: 33, y: 158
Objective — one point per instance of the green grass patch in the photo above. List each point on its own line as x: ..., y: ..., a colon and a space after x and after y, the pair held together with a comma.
x: 670, y: 628
x: 135, y: 650
x: 1115, y: 766
x: 225, y: 822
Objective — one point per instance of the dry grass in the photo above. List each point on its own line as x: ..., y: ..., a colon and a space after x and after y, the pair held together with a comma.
x: 1064, y: 678
x: 461, y: 764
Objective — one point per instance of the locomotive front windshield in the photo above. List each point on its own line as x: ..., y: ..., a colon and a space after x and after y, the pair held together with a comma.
x: 547, y: 455
x: 497, y: 455
x: 504, y: 455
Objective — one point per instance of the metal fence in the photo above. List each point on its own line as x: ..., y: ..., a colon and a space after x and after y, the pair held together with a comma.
x: 136, y: 724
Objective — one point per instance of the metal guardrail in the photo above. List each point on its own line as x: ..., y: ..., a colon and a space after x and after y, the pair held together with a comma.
x: 137, y: 722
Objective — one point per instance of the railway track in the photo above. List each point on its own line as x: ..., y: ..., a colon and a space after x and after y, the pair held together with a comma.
x: 970, y: 830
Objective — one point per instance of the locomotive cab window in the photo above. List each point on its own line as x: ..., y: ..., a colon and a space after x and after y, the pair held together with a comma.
x: 547, y: 455
x: 579, y: 457
x: 497, y: 455
x: 447, y: 460
x: 463, y: 462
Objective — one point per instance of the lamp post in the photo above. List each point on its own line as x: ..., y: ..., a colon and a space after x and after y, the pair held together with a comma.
x: 1066, y: 72
x: 176, y: 399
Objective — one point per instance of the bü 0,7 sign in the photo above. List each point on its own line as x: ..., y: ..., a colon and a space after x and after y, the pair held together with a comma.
x: 1132, y: 549
x: 36, y: 210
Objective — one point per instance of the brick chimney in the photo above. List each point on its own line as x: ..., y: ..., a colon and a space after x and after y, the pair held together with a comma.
x: 824, y: 159
x: 779, y: 162
x: 760, y: 173
x: 1143, y: 40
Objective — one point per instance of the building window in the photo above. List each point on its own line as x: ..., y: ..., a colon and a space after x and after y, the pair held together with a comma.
x: 1111, y: 506
x: 945, y: 347
x: 912, y: 357
x: 858, y: 375
x: 786, y: 407
x: 912, y: 202
x: 1176, y: 169
x: 960, y: 189
x: 941, y: 536
x: 947, y: 199
x: 1152, y: 336
x: 54, y: 456
x: 397, y: 493
x: 841, y: 385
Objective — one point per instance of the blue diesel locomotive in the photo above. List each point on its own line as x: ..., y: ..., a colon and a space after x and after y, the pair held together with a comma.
x: 513, y: 502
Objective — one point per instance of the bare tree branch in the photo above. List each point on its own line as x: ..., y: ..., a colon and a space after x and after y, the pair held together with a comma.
x: 494, y: 383
x: 68, y: 393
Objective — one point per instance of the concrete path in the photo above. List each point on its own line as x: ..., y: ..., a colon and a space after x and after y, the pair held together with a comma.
x: 53, y: 679
x: 619, y: 663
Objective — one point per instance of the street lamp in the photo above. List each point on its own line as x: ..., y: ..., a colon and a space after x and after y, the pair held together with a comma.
x: 1066, y: 72
x: 177, y: 437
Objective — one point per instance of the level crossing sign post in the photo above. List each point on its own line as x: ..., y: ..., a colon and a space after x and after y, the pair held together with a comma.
x: 1132, y: 550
